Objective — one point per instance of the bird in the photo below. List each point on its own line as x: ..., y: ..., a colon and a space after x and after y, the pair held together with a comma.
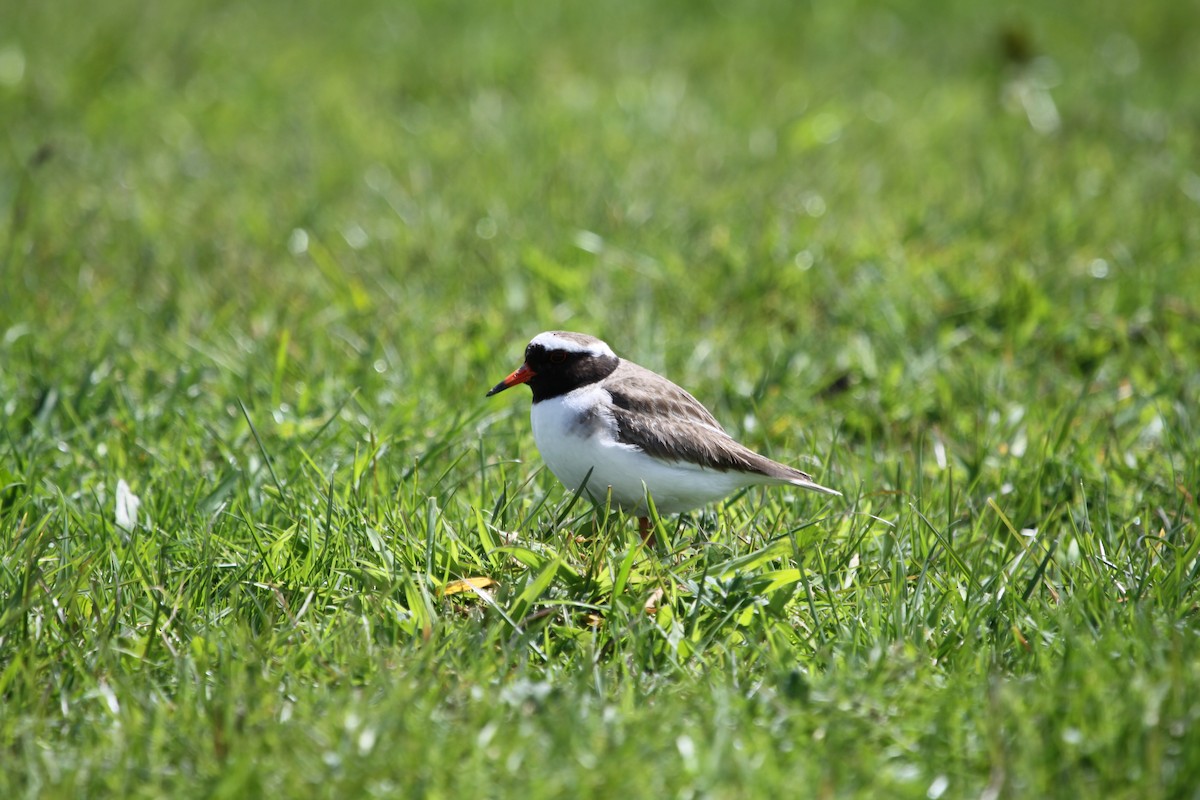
x: 621, y: 432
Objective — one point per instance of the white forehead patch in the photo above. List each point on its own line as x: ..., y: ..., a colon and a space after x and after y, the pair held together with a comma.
x: 572, y: 343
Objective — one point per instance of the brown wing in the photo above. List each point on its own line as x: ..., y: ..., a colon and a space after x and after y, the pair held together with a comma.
x: 667, y: 422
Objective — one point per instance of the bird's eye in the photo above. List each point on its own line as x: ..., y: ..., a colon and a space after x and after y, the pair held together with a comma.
x: 558, y: 357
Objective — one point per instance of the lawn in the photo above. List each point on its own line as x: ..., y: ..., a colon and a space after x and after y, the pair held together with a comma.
x: 259, y: 263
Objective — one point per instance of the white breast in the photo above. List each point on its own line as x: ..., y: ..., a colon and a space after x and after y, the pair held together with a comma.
x: 575, y: 433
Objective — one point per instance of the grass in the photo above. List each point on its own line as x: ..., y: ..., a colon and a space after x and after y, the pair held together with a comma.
x: 262, y: 261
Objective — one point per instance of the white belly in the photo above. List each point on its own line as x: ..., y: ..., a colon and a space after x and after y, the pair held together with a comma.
x: 574, y: 442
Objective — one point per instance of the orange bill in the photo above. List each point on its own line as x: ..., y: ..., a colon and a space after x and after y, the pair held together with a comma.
x: 519, y: 375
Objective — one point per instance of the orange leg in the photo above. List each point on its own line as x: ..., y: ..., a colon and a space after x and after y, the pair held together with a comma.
x: 646, y: 531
